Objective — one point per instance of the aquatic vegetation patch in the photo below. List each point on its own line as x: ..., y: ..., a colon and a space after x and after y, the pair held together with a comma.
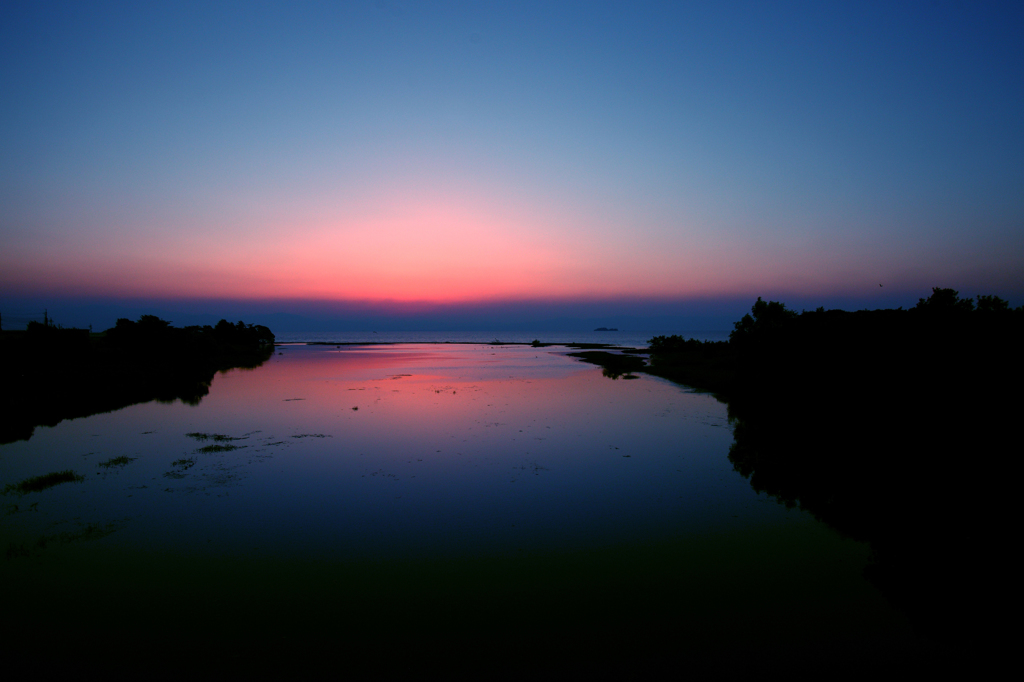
x: 216, y: 437
x: 219, y: 448
x: 39, y: 483
x: 117, y: 462
x: 183, y: 464
x: 313, y: 435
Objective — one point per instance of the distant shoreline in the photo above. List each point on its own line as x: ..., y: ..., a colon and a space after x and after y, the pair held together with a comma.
x: 542, y: 344
x: 628, y: 338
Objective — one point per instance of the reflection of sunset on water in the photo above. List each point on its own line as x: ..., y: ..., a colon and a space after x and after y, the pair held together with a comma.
x: 343, y: 457
x: 424, y: 390
x: 451, y: 448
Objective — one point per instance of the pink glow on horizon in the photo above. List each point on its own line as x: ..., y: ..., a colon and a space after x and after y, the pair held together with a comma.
x: 413, y: 250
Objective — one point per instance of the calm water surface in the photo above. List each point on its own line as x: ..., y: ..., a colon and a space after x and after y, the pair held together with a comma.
x: 400, y: 450
x: 451, y: 452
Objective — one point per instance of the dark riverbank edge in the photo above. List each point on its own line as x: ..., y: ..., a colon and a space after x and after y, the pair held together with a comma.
x: 895, y: 427
x: 51, y: 373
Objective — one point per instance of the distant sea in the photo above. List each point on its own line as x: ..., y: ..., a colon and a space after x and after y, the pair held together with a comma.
x: 629, y: 338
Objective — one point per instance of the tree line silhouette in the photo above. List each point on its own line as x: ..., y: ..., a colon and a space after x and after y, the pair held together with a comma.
x: 895, y: 427
x: 51, y: 373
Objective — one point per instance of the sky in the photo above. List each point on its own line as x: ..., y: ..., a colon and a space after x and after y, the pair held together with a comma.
x: 436, y: 161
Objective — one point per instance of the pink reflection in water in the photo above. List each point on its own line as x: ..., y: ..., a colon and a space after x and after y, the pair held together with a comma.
x: 407, y: 450
x: 456, y: 447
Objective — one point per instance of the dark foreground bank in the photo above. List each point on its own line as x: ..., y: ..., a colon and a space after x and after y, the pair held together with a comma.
x: 829, y: 414
x: 50, y: 373
x: 896, y: 427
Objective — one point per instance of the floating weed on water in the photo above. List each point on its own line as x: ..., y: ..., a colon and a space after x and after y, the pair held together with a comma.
x: 288, y: 400
x: 219, y: 448
x: 216, y: 437
x: 312, y: 435
x: 183, y: 465
x: 39, y: 483
x: 117, y: 462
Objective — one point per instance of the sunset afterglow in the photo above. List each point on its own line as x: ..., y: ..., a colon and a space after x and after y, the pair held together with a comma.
x: 452, y: 154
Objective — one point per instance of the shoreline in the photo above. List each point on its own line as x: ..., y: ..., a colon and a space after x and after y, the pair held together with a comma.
x: 496, y: 342
x: 51, y: 373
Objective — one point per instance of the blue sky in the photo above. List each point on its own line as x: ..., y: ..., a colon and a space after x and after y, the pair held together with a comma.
x: 393, y: 154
